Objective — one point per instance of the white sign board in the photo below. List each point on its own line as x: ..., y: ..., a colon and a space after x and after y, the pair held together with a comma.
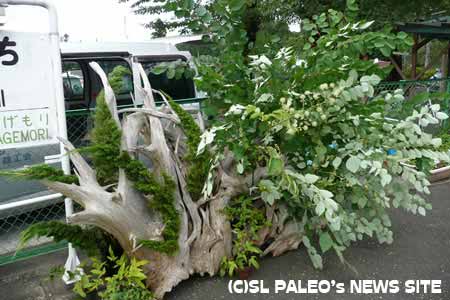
x: 27, y: 91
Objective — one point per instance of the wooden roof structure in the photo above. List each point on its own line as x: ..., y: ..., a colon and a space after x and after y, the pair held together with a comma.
x: 423, y: 32
x: 438, y: 28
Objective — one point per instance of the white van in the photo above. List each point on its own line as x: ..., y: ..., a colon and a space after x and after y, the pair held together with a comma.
x: 76, y: 57
x: 81, y: 87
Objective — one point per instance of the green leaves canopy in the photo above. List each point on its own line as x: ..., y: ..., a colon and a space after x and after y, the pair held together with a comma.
x: 311, y: 116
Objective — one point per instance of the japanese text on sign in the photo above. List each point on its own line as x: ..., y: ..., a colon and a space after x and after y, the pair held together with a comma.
x: 18, y: 127
x: 14, y: 57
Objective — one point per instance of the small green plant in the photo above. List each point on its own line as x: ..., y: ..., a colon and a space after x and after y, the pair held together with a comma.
x: 445, y: 147
x: 126, y: 283
x: 246, y: 221
x: 55, y: 272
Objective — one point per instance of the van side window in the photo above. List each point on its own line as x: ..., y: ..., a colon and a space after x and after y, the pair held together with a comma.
x: 73, y: 81
x: 124, y: 95
x: 177, y: 88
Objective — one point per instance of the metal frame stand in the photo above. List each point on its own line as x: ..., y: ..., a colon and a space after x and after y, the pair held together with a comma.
x: 72, y: 263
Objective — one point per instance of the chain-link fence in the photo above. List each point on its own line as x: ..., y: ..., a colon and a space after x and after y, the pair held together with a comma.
x: 414, y: 87
x: 41, y: 204
x: 19, y: 219
x: 17, y: 212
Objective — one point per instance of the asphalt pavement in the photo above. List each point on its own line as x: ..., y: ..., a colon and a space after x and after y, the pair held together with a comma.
x: 420, y: 252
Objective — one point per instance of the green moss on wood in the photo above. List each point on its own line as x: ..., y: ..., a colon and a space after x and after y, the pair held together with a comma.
x: 106, y: 138
x: 91, y: 240
x: 106, y: 135
x: 41, y: 172
x: 199, y: 165
x: 162, y: 200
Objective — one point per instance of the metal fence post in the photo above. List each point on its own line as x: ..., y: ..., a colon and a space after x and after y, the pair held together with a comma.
x: 446, y: 98
x: 446, y: 102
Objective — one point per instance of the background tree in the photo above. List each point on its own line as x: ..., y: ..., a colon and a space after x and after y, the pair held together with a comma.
x: 275, y: 17
x: 159, y: 29
x: 176, y: 18
x: 384, y: 12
